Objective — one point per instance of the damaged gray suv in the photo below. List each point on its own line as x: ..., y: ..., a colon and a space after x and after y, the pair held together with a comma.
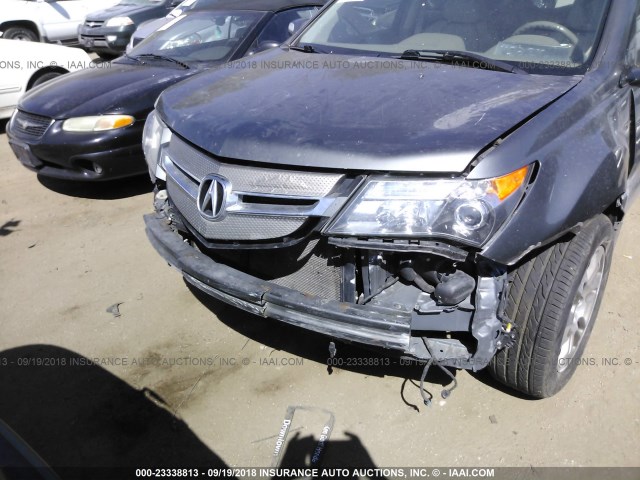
x: 442, y: 180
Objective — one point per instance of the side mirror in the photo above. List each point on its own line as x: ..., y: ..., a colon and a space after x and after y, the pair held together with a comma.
x: 633, y: 77
x: 266, y: 45
x: 296, y: 25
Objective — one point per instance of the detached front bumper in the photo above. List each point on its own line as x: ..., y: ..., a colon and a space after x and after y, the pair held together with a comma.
x: 371, y: 325
x: 374, y: 326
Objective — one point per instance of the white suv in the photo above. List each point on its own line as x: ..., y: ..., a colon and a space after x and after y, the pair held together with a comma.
x: 47, y: 20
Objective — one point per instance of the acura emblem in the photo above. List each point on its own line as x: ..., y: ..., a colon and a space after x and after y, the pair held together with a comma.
x: 212, y: 196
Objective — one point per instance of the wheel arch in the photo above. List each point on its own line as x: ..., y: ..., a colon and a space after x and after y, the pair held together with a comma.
x: 39, y: 73
x: 31, y: 25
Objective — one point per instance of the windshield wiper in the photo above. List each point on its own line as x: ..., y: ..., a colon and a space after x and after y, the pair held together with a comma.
x: 473, y: 60
x: 303, y: 48
x: 154, y: 56
x: 135, y: 59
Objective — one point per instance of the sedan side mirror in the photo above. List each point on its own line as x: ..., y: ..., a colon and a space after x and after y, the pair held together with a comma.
x: 633, y: 77
x: 266, y: 45
x: 296, y: 25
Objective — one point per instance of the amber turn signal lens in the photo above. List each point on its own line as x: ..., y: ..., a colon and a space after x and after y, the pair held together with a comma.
x: 505, y: 186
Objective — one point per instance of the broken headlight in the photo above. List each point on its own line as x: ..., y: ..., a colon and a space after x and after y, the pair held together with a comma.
x: 156, y: 135
x: 468, y: 211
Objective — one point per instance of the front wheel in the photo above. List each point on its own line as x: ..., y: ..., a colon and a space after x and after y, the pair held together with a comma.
x: 20, y: 33
x: 553, y: 301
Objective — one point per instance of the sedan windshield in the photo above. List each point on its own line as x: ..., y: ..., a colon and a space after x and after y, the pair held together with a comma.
x: 140, y: 2
x: 187, y: 5
x: 202, y: 36
x: 537, y: 36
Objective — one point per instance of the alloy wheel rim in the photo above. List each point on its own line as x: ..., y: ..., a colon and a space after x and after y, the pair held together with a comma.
x: 582, y: 309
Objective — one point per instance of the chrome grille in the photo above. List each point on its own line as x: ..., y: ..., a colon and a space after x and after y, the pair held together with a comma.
x: 252, y: 179
x: 264, y: 203
x: 30, y: 125
x: 93, y: 23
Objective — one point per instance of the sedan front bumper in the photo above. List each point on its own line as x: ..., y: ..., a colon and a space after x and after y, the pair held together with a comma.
x: 80, y: 156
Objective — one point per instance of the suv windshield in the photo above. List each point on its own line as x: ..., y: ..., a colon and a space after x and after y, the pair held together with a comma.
x: 538, y: 36
x: 202, y: 36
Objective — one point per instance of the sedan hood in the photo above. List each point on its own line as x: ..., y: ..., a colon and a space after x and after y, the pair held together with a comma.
x: 114, y: 88
x: 342, y: 112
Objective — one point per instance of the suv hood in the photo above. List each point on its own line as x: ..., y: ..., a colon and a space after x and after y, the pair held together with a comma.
x: 121, y: 10
x: 345, y: 112
x: 118, y: 88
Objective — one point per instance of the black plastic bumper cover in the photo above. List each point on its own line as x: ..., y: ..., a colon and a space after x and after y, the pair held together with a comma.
x: 370, y: 325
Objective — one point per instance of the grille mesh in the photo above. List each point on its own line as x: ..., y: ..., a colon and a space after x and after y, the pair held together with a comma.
x: 306, y: 267
x: 233, y: 227
x: 31, y: 125
x: 314, y: 278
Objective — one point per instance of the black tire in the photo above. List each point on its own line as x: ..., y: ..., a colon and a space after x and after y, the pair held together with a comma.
x: 20, y: 33
x: 540, y: 299
x: 44, y: 77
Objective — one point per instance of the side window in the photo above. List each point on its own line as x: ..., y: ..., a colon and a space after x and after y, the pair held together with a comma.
x: 277, y: 29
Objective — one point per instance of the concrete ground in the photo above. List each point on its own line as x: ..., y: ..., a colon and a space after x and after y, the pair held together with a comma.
x: 175, y: 378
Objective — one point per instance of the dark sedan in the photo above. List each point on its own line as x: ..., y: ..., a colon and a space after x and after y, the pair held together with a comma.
x: 107, y: 32
x: 89, y: 125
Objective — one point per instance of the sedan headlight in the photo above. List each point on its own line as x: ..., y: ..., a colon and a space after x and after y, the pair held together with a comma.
x: 155, y: 136
x: 118, y: 22
x: 468, y: 211
x: 98, y: 123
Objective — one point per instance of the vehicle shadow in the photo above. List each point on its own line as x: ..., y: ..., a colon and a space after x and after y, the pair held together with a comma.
x: 3, y: 126
x: 350, y: 454
x: 82, y: 420
x: 315, y: 347
x: 86, y: 423
x: 109, y: 190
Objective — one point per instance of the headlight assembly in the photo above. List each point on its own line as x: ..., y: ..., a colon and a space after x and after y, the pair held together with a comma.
x: 155, y: 136
x: 118, y: 22
x: 468, y: 211
x: 97, y: 124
